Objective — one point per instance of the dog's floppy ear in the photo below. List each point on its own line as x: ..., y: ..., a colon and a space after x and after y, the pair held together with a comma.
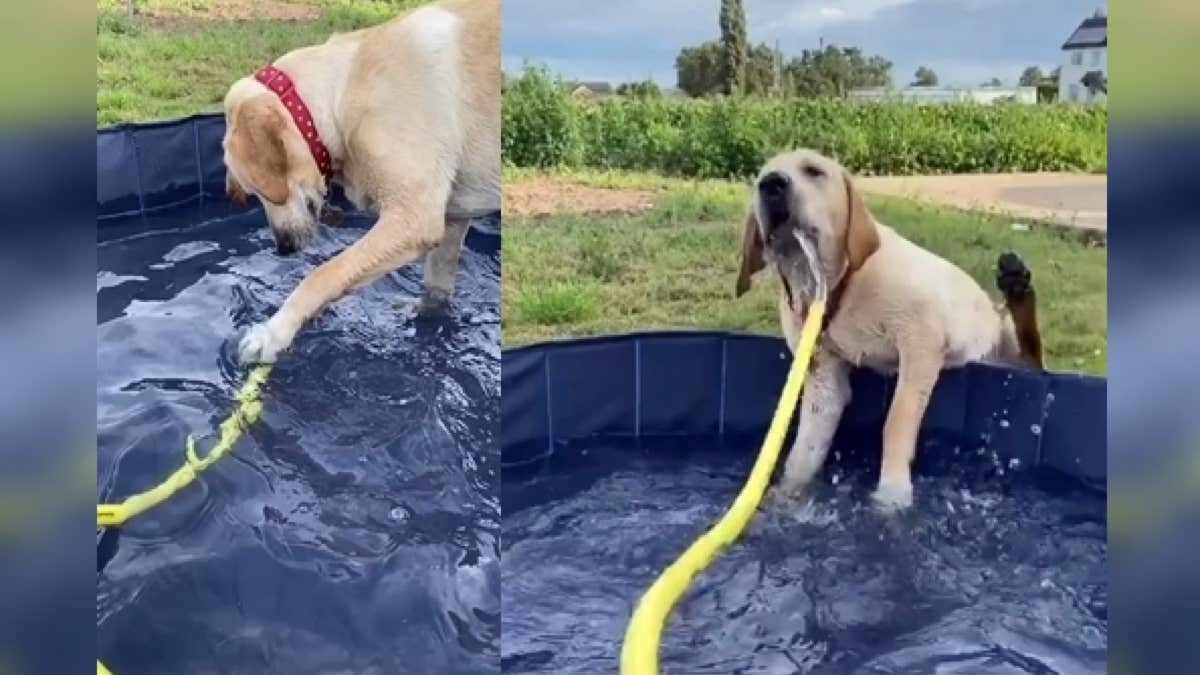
x: 257, y: 143
x: 752, y: 253
x: 862, y: 237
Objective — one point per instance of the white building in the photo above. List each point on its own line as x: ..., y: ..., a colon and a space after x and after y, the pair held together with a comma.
x: 984, y: 95
x: 1086, y: 51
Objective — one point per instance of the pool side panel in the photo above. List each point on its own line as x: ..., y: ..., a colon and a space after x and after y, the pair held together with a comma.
x: 718, y: 385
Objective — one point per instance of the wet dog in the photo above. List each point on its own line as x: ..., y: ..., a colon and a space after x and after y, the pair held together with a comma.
x: 405, y: 116
x: 892, y: 306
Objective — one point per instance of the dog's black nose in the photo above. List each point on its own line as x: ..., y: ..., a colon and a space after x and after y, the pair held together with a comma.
x: 285, y: 244
x: 774, y: 185
x: 773, y: 193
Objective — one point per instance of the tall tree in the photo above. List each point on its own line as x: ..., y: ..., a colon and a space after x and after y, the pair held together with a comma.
x: 1031, y: 77
x: 760, y: 71
x: 643, y: 89
x: 734, y: 45
x: 925, y: 77
x: 1095, y: 81
x: 698, y: 69
x: 834, y: 71
x: 994, y: 82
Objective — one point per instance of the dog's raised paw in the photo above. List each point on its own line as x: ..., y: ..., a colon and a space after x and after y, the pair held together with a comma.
x: 1013, y: 278
x: 260, y: 344
x: 893, y: 497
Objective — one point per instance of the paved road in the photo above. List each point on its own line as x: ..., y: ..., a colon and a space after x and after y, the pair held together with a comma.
x: 1078, y: 200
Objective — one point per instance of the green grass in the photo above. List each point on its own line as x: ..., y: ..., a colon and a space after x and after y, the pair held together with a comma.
x: 153, y: 69
x: 675, y: 267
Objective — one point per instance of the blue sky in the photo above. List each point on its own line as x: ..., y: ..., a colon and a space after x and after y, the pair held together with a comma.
x: 964, y: 41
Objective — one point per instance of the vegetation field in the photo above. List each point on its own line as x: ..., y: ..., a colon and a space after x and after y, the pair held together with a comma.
x: 544, y: 126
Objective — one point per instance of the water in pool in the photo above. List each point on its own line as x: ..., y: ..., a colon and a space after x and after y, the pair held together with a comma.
x: 355, y: 528
x: 985, y: 574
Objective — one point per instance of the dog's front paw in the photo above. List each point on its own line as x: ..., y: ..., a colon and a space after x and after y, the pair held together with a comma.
x: 892, y: 497
x: 435, y: 302
x: 1013, y: 278
x: 261, y: 344
x: 790, y: 491
x: 776, y: 498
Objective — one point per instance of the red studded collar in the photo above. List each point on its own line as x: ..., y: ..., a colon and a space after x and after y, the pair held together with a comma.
x: 278, y: 81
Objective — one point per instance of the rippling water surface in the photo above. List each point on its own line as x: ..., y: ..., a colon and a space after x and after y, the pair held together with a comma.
x: 355, y: 528
x: 1005, y: 574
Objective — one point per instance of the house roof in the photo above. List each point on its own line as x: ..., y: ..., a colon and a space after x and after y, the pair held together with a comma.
x: 595, y: 87
x: 1093, y: 32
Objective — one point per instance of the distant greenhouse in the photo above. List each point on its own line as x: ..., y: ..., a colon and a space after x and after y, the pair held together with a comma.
x: 984, y: 95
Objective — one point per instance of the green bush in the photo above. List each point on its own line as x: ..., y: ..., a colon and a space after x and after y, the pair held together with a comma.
x: 731, y: 137
x: 539, y: 121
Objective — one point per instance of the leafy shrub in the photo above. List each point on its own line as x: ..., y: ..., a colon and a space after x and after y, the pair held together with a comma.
x: 731, y: 137
x: 539, y: 121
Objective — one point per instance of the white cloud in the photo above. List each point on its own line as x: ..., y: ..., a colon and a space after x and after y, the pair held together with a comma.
x: 773, y: 19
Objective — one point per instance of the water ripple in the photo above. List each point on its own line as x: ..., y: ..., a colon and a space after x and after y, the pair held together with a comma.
x: 355, y: 527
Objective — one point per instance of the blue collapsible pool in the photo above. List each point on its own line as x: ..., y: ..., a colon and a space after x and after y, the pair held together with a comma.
x: 355, y: 526
x: 618, y: 451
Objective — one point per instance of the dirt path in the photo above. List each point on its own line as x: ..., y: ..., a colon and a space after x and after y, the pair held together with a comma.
x: 1076, y: 200
x: 192, y: 17
x: 551, y: 196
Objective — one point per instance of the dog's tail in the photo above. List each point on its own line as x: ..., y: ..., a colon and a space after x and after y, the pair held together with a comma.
x: 1015, y: 281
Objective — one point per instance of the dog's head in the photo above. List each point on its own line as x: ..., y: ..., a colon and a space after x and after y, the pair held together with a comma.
x: 805, y: 195
x: 265, y: 155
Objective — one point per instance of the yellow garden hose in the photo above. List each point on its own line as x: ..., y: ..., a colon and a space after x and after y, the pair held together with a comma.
x: 249, y: 407
x: 639, y: 653
x: 246, y: 413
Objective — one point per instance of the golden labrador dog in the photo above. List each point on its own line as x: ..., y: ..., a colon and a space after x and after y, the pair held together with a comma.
x: 892, y: 306
x: 405, y: 116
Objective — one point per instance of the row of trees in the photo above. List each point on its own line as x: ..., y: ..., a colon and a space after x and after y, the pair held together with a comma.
x: 731, y: 65
x: 705, y: 70
x: 831, y: 72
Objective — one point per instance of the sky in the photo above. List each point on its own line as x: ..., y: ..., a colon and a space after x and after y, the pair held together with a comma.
x: 966, y: 42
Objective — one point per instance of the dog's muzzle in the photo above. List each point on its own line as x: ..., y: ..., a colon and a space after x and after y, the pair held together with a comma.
x: 775, y: 194
x: 791, y: 242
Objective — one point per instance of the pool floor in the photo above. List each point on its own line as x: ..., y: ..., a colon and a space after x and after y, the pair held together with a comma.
x: 1000, y: 574
x: 355, y: 528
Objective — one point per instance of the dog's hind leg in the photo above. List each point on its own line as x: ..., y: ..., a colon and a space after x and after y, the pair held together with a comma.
x: 1015, y: 281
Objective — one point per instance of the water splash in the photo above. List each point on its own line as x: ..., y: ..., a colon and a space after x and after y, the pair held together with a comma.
x: 825, y: 582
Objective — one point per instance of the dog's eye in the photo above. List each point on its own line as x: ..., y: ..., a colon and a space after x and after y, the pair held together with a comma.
x: 813, y: 171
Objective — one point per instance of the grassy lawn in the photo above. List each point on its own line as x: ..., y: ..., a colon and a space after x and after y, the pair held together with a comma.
x: 178, y: 57
x: 674, y: 266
